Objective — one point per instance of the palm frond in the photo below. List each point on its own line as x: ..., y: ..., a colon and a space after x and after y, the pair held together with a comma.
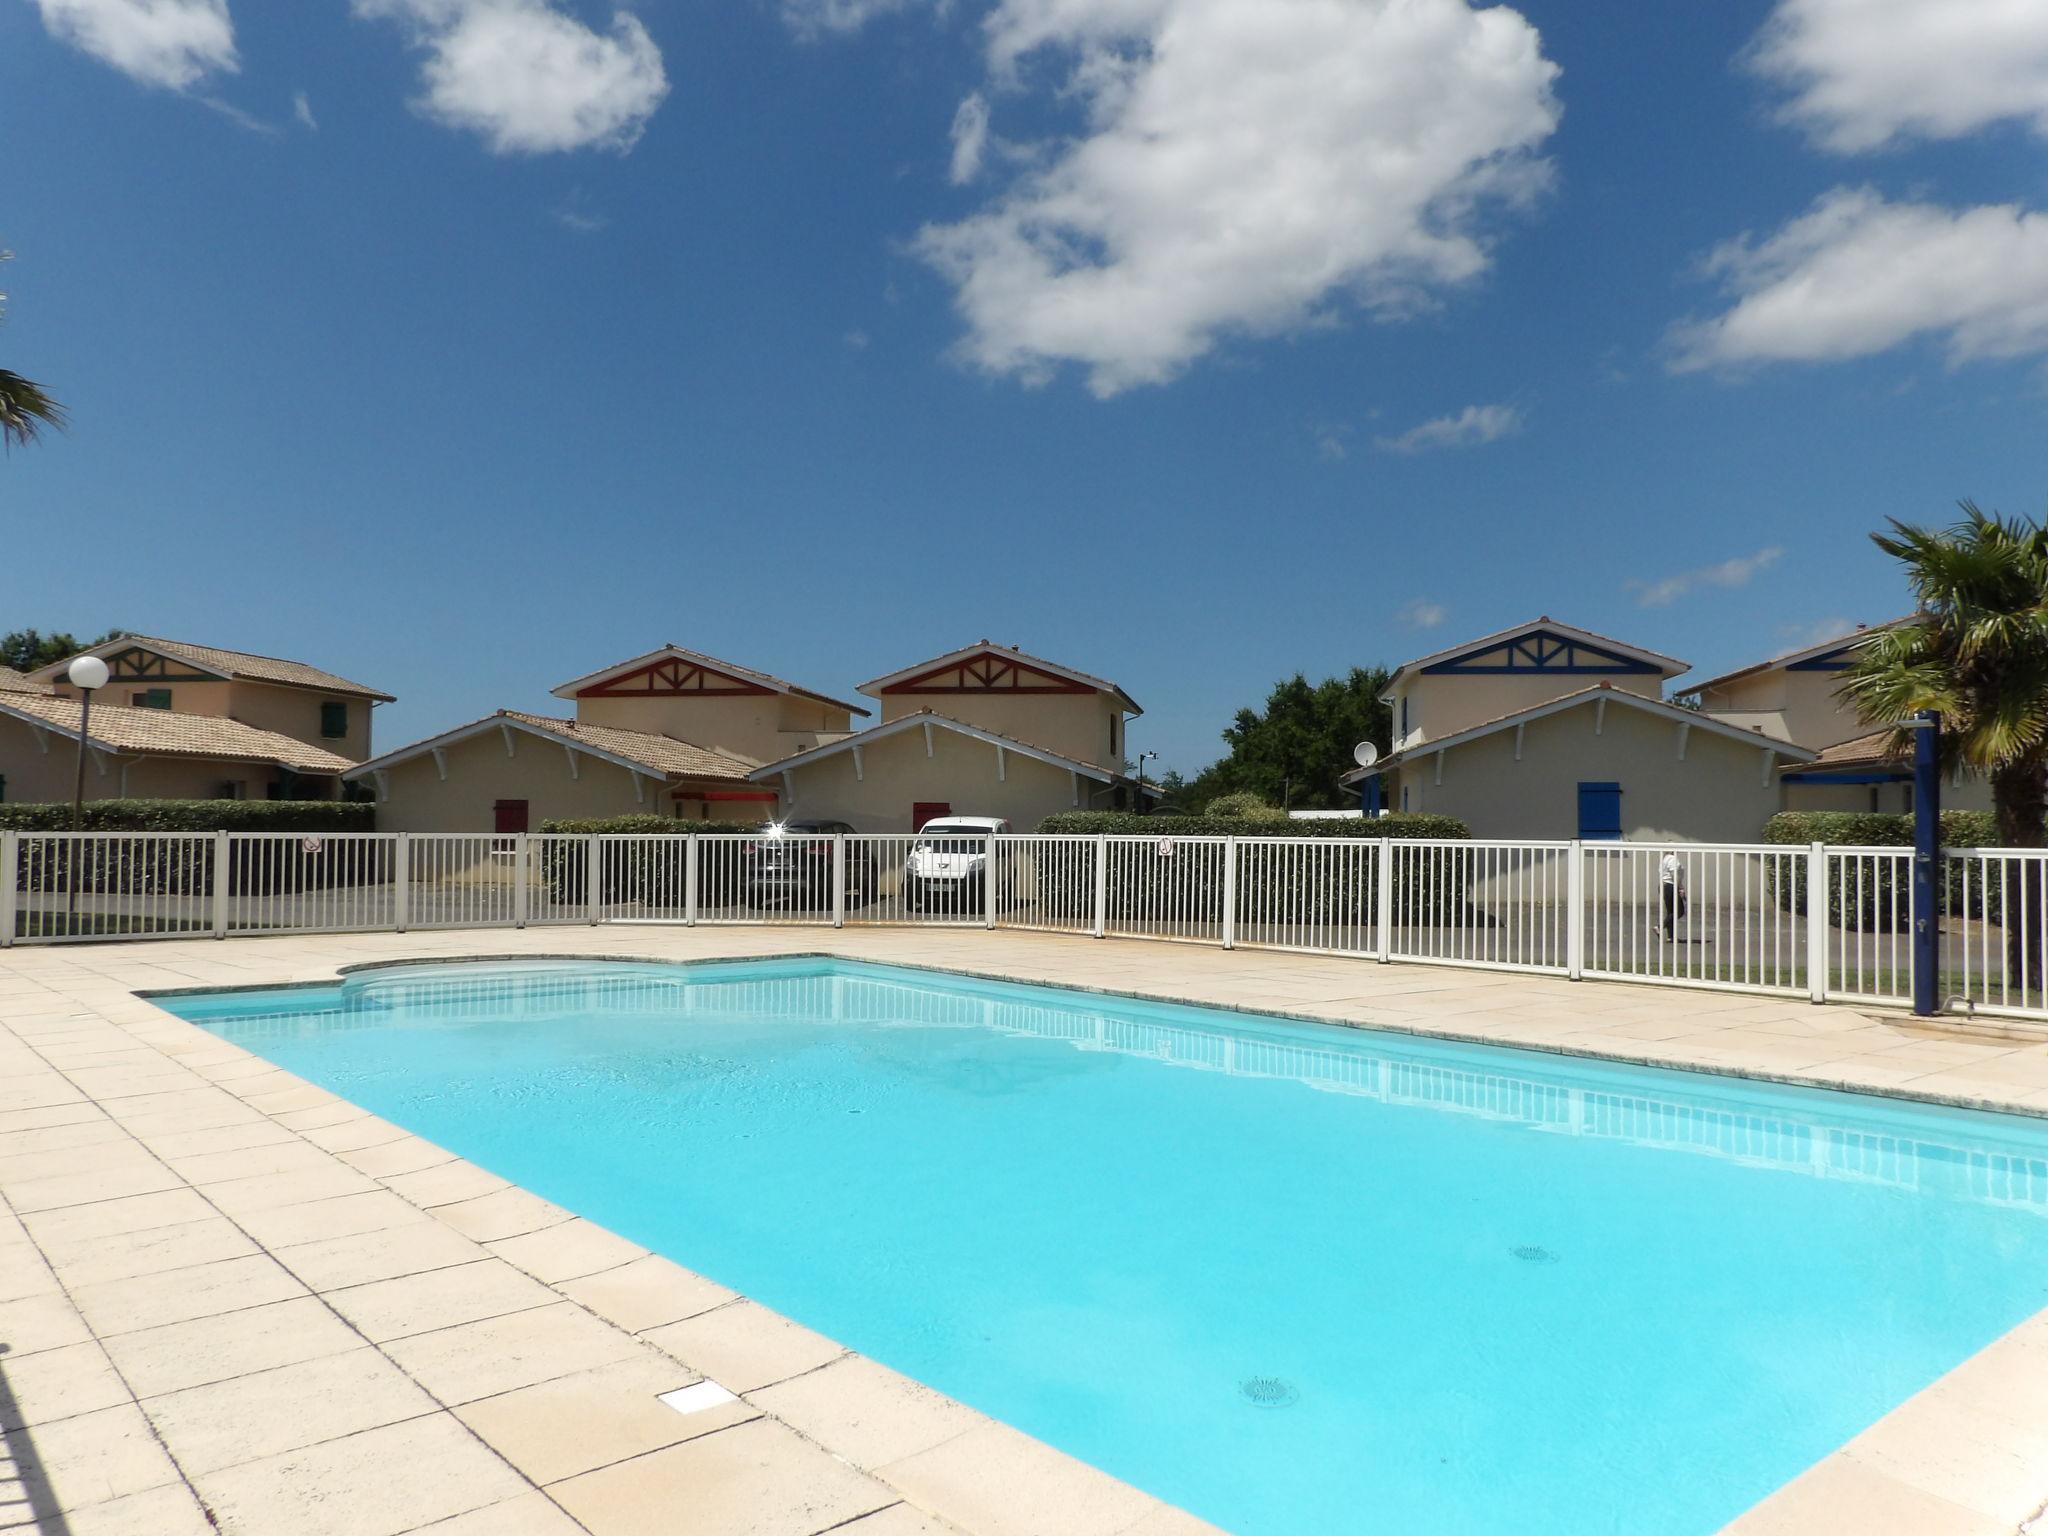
x: 25, y: 409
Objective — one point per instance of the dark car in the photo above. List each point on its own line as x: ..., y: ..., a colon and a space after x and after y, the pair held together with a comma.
x: 790, y: 865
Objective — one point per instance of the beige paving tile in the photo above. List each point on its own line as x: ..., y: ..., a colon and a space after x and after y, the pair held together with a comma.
x: 866, y: 1412
x: 222, y: 1138
x: 491, y: 1216
x: 896, y: 1520
x: 499, y: 1354
x: 120, y: 1255
x: 757, y: 1479
x: 138, y: 1176
x: 441, y: 1298
x: 362, y: 1257
x: 177, y: 1295
x: 647, y: 1293
x: 36, y: 1323
x: 409, y: 1154
x: 997, y: 1481
x: 207, y: 1349
x: 293, y: 1156
x: 744, y: 1346
x: 1941, y: 1446
x: 239, y: 1197
x: 1165, y: 1520
x: 534, y: 1514
x: 24, y: 1273
x: 98, y: 1456
x: 166, y: 1511
x: 568, y: 1251
x: 454, y: 1184
x: 377, y: 1483
x: 285, y: 1226
x: 53, y: 1138
x: 58, y: 1384
x: 132, y: 1213
x: 590, y: 1419
x: 1840, y: 1495
x: 284, y: 1409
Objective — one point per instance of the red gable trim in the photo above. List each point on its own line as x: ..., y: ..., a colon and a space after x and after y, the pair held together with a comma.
x: 672, y: 678
x: 988, y: 672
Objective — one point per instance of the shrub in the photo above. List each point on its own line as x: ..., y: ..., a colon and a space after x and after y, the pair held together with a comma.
x: 637, y: 871
x: 1131, y: 824
x: 181, y: 859
x: 1875, y: 894
x: 194, y: 816
x: 1244, y: 806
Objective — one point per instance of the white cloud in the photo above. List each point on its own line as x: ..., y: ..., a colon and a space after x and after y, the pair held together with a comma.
x: 1421, y: 613
x: 810, y: 17
x: 302, y: 110
x: 970, y: 138
x: 1866, y: 73
x: 528, y: 78
x: 1739, y: 572
x: 172, y: 43
x: 1471, y: 427
x: 1855, y: 275
x: 1799, y: 637
x: 1245, y: 169
x: 1333, y: 443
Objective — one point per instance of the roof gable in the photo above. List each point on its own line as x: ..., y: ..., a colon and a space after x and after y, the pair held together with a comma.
x: 203, y: 663
x: 1543, y: 647
x: 860, y: 740
x: 986, y: 667
x: 1832, y: 655
x: 160, y: 733
x: 675, y: 673
x: 643, y: 752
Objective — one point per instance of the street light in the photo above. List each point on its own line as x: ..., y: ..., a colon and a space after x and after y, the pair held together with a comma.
x: 88, y: 675
x: 1141, y: 779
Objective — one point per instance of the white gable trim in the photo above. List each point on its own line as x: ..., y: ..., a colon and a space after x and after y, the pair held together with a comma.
x: 1670, y: 666
x: 569, y: 690
x: 929, y: 723
x: 1025, y: 658
x: 436, y: 747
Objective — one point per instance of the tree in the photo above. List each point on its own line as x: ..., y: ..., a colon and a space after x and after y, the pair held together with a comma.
x: 1294, y: 752
x: 1977, y: 653
x: 27, y: 649
x: 25, y: 408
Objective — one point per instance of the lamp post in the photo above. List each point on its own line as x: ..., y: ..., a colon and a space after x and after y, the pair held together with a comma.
x: 1141, y: 780
x: 88, y: 674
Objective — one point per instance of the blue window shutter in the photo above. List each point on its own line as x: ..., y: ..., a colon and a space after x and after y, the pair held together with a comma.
x: 333, y: 720
x: 1599, y: 812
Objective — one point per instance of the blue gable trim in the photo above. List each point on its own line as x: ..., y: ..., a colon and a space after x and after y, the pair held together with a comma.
x: 1863, y: 776
x: 1832, y: 661
x: 1543, y: 650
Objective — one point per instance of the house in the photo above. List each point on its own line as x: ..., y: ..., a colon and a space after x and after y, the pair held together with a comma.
x: 289, y: 698
x: 1858, y: 768
x: 672, y: 733
x: 152, y: 754
x: 183, y: 721
x: 1548, y: 731
x: 985, y: 730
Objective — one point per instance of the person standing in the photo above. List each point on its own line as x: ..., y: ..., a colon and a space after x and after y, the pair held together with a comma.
x: 1671, y: 877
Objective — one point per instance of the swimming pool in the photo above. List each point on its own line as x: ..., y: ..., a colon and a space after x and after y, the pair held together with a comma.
x: 1296, y: 1278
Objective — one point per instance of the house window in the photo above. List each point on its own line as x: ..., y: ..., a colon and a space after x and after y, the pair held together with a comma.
x: 508, y: 817
x: 1112, y: 738
x: 150, y: 698
x: 333, y: 721
x: 3, y: 787
x: 1599, y: 812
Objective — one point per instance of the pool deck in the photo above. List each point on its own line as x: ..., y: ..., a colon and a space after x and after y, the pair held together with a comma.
x: 231, y: 1301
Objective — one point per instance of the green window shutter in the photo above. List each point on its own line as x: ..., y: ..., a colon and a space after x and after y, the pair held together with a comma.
x: 151, y: 698
x: 333, y: 721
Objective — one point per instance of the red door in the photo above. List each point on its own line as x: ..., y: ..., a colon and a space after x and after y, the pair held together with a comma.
x: 927, y: 810
x: 510, y: 817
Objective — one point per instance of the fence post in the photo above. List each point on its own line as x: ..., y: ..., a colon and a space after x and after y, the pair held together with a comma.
x: 838, y: 879
x: 221, y: 849
x: 691, y: 865
x: 10, y: 883
x: 988, y: 884
x: 401, y: 881
x: 1230, y: 892
x: 522, y: 877
x: 1383, y: 898
x: 1101, y: 885
x: 1817, y: 902
x: 1575, y: 912
x: 593, y: 877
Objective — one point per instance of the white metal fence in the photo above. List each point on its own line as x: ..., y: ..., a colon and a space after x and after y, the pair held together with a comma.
x: 1817, y: 922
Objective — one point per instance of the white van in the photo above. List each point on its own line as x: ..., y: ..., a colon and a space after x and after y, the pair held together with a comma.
x: 947, y: 867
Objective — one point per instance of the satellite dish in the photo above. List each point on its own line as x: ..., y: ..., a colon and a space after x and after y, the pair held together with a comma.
x: 1365, y: 754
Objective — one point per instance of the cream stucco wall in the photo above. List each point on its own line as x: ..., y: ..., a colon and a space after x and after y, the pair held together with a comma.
x: 293, y: 712
x: 960, y: 773
x: 1799, y: 706
x: 1443, y: 704
x: 1720, y: 793
x: 757, y: 727
x: 480, y: 774
x: 1075, y: 725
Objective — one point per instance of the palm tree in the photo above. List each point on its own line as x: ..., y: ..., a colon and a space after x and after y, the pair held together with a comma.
x: 1977, y: 653
x: 25, y: 410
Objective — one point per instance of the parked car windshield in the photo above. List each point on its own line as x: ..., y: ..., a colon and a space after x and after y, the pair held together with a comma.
x: 953, y: 840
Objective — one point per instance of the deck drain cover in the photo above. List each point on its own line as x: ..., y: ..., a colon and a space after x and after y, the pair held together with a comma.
x: 1529, y: 1253
x: 1268, y: 1392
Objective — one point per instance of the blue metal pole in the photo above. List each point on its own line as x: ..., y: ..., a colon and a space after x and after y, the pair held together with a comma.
x: 1371, y: 797
x: 1926, y: 862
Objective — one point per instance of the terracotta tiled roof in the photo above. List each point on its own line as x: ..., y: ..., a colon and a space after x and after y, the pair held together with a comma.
x: 933, y: 717
x: 161, y: 733
x: 570, y: 689
x: 1803, y: 653
x: 1874, y: 748
x: 1057, y: 668
x: 241, y: 664
x: 668, y: 754
x: 12, y: 681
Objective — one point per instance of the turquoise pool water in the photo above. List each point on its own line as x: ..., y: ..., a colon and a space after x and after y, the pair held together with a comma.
x: 1296, y: 1278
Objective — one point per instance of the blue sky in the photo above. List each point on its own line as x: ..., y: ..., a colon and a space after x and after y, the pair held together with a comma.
x: 464, y: 346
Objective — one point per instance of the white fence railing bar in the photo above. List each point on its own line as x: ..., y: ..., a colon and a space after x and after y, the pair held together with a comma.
x: 1808, y: 921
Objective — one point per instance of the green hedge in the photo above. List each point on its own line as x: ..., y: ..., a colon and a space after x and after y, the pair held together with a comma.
x: 638, y: 871
x: 1130, y: 824
x: 194, y: 816
x: 1862, y: 894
